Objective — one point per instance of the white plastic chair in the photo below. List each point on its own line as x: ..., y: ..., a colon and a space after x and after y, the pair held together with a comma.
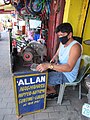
x: 84, y: 69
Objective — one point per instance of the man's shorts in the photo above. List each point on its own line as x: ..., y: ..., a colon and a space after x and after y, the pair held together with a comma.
x: 55, y: 78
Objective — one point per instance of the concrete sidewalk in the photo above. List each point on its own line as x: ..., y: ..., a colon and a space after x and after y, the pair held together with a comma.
x: 69, y: 110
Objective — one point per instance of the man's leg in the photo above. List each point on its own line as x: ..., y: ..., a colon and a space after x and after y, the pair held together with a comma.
x: 55, y: 78
x: 50, y: 89
x: 52, y: 81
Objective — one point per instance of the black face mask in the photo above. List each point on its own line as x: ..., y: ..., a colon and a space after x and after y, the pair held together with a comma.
x: 64, y: 39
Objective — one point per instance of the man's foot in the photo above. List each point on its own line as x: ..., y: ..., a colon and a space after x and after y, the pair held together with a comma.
x: 51, y: 91
x: 52, y: 95
x: 19, y: 116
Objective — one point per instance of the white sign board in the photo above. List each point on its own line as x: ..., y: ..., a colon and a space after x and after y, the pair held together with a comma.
x: 86, y: 110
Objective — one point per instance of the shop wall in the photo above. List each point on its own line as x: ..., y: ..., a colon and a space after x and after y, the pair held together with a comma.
x: 86, y: 35
x: 75, y: 13
x: 72, y: 13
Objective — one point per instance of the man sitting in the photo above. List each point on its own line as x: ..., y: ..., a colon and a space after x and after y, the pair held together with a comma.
x: 69, y: 57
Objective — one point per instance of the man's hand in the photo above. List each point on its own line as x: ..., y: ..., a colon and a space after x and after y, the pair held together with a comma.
x: 43, y: 67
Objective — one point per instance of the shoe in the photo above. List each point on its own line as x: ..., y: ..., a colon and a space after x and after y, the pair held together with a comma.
x: 52, y: 95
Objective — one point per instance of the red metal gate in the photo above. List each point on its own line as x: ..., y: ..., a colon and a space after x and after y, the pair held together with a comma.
x: 56, y: 17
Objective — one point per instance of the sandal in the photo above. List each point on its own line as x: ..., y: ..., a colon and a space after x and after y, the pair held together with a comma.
x: 52, y: 95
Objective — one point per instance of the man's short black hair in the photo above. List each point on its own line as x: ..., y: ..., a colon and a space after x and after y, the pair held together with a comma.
x: 64, y: 27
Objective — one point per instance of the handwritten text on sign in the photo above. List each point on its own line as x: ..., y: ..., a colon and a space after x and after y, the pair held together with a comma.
x: 31, y: 92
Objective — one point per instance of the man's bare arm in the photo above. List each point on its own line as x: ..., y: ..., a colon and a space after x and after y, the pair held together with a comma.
x: 75, y: 53
x: 55, y: 56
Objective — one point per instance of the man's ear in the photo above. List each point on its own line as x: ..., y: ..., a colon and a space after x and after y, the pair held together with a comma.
x: 70, y: 35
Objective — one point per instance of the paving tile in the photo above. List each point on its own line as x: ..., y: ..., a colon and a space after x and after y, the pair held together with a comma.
x: 48, y: 109
x: 13, y: 111
x: 11, y: 94
x: 28, y: 117
x: 51, y: 119
x: 60, y: 108
x: 3, y: 105
x: 5, y: 111
x: 0, y: 99
x: 4, y: 94
x: 10, y: 117
x: 10, y: 99
x: 51, y: 103
x: 54, y: 115
x: 1, y: 117
x: 66, y: 102
x: 41, y: 116
x: 2, y: 90
x: 10, y: 105
x: 73, y: 115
